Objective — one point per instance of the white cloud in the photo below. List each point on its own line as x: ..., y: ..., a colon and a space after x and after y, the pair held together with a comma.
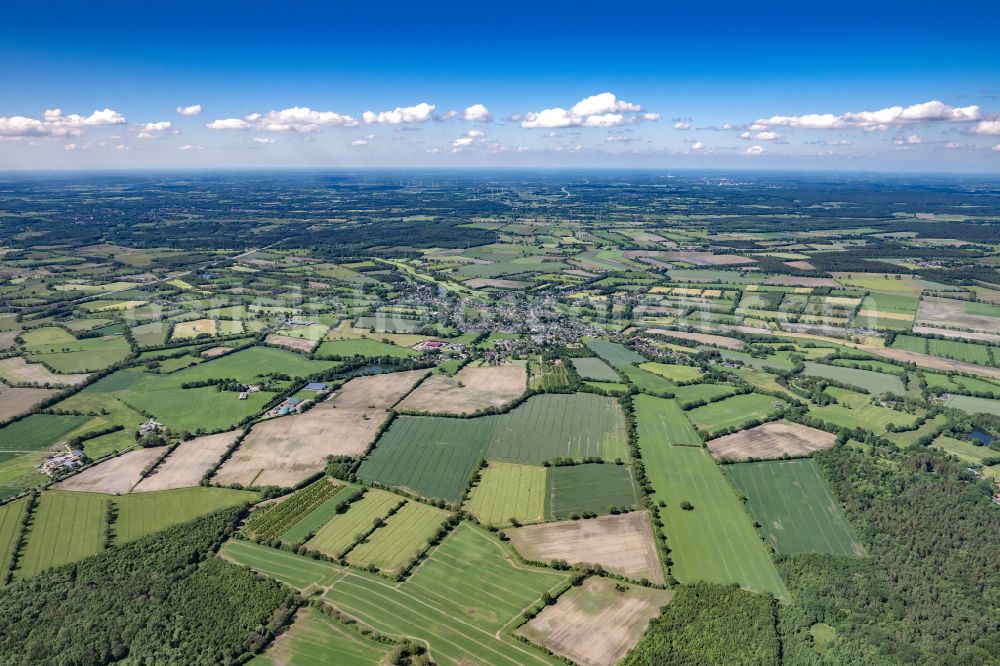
x: 149, y: 130
x: 292, y: 119
x: 419, y: 113
x: 263, y: 140
x: 893, y: 116
x: 620, y: 138
x: 682, y: 126
x: 55, y: 123
x: 120, y: 147
x: 359, y: 142
x: 477, y: 113
x: 186, y: 146
x: 911, y: 140
x: 987, y: 127
x: 69, y: 146
x: 698, y: 146
x: 997, y: 147
x: 765, y: 135
x: 603, y: 110
x: 192, y: 110
x: 754, y: 150
x: 471, y: 138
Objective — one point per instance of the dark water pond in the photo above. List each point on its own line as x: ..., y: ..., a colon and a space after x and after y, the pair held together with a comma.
x: 984, y: 437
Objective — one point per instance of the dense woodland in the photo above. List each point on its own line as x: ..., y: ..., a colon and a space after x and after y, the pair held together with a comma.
x: 161, y: 599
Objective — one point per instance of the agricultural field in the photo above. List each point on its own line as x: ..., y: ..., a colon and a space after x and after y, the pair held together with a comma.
x: 11, y: 515
x: 17, y: 401
x: 139, y: 514
x: 271, y: 520
x: 403, y: 537
x: 622, y: 544
x: 595, y: 369
x: 674, y: 373
x: 307, y: 525
x: 615, y: 354
x: 315, y: 639
x: 116, y: 476
x: 972, y: 405
x: 283, y: 451
x: 362, y: 347
x: 576, y: 490
x: 65, y: 527
x: 15, y: 370
x: 508, y: 492
x: 187, y: 463
x: 875, y: 383
x: 596, y: 623
x: 342, y: 531
x: 661, y: 422
x: 794, y: 507
x: 771, y: 440
x: 734, y: 412
x: 854, y: 410
x: 471, y: 389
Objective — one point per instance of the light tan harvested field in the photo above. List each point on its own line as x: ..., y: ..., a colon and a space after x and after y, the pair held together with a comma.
x: 800, y: 265
x: 297, y: 344
x: 707, y: 258
x: 622, y: 544
x: 771, y: 440
x: 706, y: 338
x: 115, y: 476
x: 191, y: 329
x: 15, y: 370
x: 7, y: 339
x: 481, y: 283
x: 285, y: 450
x: 878, y: 314
x: 215, y: 352
x: 187, y: 463
x: 795, y: 281
x: 959, y: 335
x: 471, y: 389
x: 17, y: 401
x: 951, y: 312
x: 595, y: 624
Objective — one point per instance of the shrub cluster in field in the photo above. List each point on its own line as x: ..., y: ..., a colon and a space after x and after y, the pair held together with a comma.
x: 273, y: 521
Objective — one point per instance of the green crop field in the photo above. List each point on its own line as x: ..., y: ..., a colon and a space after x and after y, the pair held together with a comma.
x: 319, y: 516
x: 961, y: 351
x: 250, y: 364
x: 734, y: 411
x: 875, y: 383
x: 908, y: 438
x: 268, y: 522
x: 65, y: 527
x: 362, y: 347
x: 869, y: 364
x: 611, y: 387
x: 797, y: 513
x: 140, y: 514
x: 546, y: 376
x: 854, y: 410
x: 507, y: 491
x: 11, y: 515
x: 675, y: 373
x: 316, y: 639
x: 436, y: 456
x: 595, y: 369
x: 403, y: 537
x: 340, y: 532
x: 692, y: 393
x: 964, y: 450
x: 647, y: 381
x: 661, y: 422
x: 910, y: 343
x: 40, y: 431
x: 973, y: 405
x: 592, y: 488
x: 456, y: 601
x: 617, y: 355
x: 715, y: 541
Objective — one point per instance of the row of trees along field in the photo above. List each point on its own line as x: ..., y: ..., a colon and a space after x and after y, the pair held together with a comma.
x: 161, y: 599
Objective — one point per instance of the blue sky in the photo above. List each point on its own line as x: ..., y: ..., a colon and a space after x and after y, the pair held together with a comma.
x: 848, y: 85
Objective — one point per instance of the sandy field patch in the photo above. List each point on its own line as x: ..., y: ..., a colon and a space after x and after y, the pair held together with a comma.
x: 285, y: 450
x: 296, y: 344
x: 706, y: 338
x: 951, y: 312
x: 115, y: 476
x: 190, y: 329
x: 771, y: 440
x: 17, y: 401
x: 800, y: 265
x: 215, y: 352
x: 471, y: 389
x: 622, y: 544
x: 187, y: 463
x: 7, y: 339
x: 15, y: 370
x: 481, y: 283
x: 932, y: 362
x: 878, y: 314
x: 595, y: 624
